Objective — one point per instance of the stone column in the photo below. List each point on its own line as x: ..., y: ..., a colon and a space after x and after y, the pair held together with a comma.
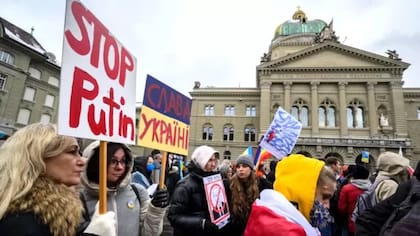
x: 287, y: 86
x: 399, y: 114
x: 373, y: 121
x: 343, y: 108
x: 314, y: 108
x: 265, y: 114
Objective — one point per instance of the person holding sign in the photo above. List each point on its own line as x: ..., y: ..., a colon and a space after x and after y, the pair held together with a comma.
x: 188, y: 212
x: 136, y: 214
x: 39, y: 170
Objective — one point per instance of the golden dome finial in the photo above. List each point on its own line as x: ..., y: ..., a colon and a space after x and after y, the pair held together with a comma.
x: 299, y: 15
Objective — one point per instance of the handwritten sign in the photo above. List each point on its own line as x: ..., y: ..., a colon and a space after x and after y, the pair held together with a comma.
x: 164, y: 118
x: 282, y: 134
x: 98, y: 80
x: 216, y: 200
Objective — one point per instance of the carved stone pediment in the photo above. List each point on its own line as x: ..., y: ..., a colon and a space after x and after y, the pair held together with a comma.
x: 330, y: 56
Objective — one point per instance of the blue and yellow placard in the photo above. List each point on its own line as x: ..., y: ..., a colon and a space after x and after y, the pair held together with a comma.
x: 164, y: 118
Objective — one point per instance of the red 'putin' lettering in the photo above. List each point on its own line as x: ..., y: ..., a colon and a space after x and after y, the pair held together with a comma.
x: 105, y: 125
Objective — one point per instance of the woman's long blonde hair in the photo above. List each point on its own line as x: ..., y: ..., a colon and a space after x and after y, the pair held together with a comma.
x: 22, y: 160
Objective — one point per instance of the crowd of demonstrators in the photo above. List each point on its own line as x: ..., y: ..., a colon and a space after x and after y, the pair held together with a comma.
x: 49, y: 189
x: 39, y: 171
x: 298, y: 205
x: 135, y: 213
x: 142, y: 171
x: 188, y: 212
x: 374, y: 221
x: 349, y: 194
x: 244, y: 189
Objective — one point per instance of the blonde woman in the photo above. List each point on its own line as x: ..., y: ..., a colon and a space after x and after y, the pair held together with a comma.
x: 39, y: 170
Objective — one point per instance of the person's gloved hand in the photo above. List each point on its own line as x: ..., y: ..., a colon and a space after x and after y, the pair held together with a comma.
x: 209, y: 227
x: 161, y: 198
x: 102, y: 224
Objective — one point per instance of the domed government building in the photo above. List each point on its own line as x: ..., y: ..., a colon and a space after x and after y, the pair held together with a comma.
x: 348, y: 100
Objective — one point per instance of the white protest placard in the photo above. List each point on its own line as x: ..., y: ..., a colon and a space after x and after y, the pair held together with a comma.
x: 216, y: 200
x: 282, y: 134
x: 98, y: 81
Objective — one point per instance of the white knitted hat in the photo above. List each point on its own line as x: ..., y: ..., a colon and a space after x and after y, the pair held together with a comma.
x: 202, y: 155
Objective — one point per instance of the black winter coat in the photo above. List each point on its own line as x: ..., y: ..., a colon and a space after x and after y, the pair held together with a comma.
x: 188, y: 204
x: 370, y: 222
x: 20, y: 224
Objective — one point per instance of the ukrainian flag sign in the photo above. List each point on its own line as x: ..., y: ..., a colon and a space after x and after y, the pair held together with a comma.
x: 164, y: 122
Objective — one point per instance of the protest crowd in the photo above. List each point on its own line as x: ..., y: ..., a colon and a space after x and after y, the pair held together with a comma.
x: 49, y: 188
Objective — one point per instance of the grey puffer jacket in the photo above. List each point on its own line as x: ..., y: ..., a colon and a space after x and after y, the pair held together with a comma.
x: 132, y: 217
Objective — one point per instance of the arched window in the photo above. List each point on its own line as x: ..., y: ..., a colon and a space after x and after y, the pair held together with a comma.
x: 226, y: 155
x: 326, y: 114
x: 249, y: 135
x: 228, y: 132
x: 355, y: 114
x: 300, y: 111
x: 207, y: 132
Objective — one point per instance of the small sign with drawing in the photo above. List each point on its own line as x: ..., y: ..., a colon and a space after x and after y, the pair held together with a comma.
x: 216, y: 200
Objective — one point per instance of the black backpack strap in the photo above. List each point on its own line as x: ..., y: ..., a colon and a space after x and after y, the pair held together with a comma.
x: 136, y: 191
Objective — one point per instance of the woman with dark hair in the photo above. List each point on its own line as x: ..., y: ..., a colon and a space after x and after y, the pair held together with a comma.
x: 136, y: 213
x: 245, y: 187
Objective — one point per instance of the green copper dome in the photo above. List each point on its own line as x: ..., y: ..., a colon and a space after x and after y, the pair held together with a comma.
x: 299, y: 25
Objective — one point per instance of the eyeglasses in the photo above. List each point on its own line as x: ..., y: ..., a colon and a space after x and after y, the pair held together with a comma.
x: 115, y: 162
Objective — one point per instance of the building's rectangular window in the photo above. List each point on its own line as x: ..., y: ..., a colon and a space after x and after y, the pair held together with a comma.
x: 34, y: 73
x: 45, y: 119
x: 3, y: 79
x: 49, y: 100
x: 251, y: 110
x: 229, y: 110
x: 29, y: 94
x: 53, y: 81
x: 418, y: 113
x: 23, y: 116
x: 6, y: 57
x: 209, y: 110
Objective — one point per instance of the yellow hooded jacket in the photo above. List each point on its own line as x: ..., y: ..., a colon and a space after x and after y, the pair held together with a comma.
x: 296, y: 179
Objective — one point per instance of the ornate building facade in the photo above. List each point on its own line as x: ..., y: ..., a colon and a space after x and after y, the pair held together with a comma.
x: 347, y: 99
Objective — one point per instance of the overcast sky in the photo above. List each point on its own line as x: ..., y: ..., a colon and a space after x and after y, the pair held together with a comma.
x: 220, y: 42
